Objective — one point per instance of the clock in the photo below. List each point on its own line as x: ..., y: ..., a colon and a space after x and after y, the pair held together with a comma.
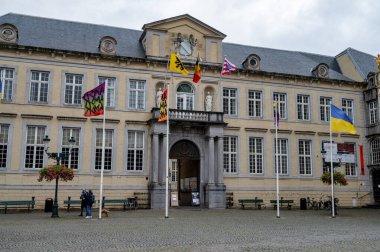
x: 185, y: 48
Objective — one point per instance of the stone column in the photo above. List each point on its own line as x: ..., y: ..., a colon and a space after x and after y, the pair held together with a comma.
x: 155, y: 158
x: 211, y: 153
x: 220, y: 161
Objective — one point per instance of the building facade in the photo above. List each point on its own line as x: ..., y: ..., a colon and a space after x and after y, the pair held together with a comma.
x: 222, y: 136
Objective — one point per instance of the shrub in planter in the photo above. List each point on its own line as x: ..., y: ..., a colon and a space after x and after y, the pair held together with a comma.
x: 56, y: 172
x: 338, y: 178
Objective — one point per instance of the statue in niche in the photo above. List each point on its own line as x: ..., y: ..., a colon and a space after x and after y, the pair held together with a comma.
x: 158, y: 97
x: 208, y: 102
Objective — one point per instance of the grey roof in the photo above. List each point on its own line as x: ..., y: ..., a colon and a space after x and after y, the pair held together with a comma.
x: 84, y: 37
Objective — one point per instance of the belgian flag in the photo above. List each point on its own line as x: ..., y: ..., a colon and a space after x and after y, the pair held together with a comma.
x: 197, y: 71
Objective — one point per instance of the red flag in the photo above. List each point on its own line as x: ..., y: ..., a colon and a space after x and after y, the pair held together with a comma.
x: 228, y: 67
x: 163, y: 106
x: 197, y: 71
x: 94, y: 101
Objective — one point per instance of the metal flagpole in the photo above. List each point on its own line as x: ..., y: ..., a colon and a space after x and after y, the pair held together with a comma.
x: 332, y: 170
x: 167, y: 144
x: 103, y: 150
x: 276, y: 160
x: 2, y: 80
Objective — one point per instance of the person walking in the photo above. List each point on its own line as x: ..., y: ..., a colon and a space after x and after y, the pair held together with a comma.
x: 83, y: 202
x: 90, y: 199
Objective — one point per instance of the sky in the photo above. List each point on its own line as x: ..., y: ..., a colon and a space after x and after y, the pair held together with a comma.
x: 325, y: 27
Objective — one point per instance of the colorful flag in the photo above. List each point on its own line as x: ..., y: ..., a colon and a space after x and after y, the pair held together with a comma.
x: 163, y: 106
x: 94, y: 101
x: 197, y: 71
x: 177, y: 65
x: 340, y: 122
x: 228, y: 67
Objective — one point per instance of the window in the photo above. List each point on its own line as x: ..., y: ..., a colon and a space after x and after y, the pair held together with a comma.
x: 73, y: 89
x: 7, y: 76
x: 372, y: 109
x: 281, y: 101
x: 324, y: 106
x: 73, y: 159
x: 303, y: 107
x: 34, y: 155
x: 255, y: 155
x: 375, y: 152
x: 282, y: 157
x: 255, y: 102
x: 350, y: 169
x: 230, y: 101
x: 185, y: 97
x: 108, y: 150
x: 39, y: 87
x: 135, y: 150
x: 348, y: 107
x: 229, y: 154
x: 174, y: 171
x: 4, y: 131
x: 136, y: 94
x: 111, y: 85
x: 304, y: 156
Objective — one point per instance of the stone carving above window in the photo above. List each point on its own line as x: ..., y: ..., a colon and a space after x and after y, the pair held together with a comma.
x: 321, y: 71
x: 107, y: 45
x: 8, y: 33
x: 252, y: 62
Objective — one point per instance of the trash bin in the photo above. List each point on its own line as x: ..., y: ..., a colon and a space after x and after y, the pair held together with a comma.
x: 303, y: 204
x: 48, y: 205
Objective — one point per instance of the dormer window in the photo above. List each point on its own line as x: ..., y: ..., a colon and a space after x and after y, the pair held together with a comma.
x: 371, y: 79
x: 252, y: 62
x: 107, y: 45
x: 8, y: 33
x: 321, y: 71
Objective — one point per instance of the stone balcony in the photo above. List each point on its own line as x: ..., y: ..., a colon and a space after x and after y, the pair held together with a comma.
x: 191, y: 116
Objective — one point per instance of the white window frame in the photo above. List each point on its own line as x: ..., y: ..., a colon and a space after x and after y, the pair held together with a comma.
x: 36, y: 144
x: 305, y: 157
x: 230, y: 154
x: 174, y: 170
x: 5, y: 145
x: 281, y: 100
x: 77, y: 87
x: 132, y: 146
x: 256, y: 155
x: 230, y: 104
x: 375, y: 151
x: 255, y: 103
x: 111, y: 90
x: 40, y: 83
x: 283, y: 156
x: 350, y: 169
x: 138, y: 93
x: 324, y: 108
x: 7, y: 76
x: 109, y: 147
x: 348, y: 107
x: 74, y: 158
x: 372, y: 112
x: 303, y: 107
x: 185, y: 100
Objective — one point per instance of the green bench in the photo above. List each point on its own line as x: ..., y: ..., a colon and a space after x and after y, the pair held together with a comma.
x: 283, y: 203
x: 131, y: 202
x: 70, y: 202
x: 18, y: 204
x: 258, y: 203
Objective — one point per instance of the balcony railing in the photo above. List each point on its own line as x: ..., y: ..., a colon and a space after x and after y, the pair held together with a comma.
x: 191, y: 115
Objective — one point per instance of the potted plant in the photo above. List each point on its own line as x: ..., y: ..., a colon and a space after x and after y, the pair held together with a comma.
x: 338, y: 178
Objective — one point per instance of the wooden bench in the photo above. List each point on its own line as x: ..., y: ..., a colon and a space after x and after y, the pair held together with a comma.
x: 70, y: 202
x: 258, y: 203
x: 18, y: 204
x: 131, y: 202
x: 283, y: 203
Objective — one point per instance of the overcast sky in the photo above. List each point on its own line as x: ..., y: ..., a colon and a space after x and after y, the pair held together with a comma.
x: 318, y: 26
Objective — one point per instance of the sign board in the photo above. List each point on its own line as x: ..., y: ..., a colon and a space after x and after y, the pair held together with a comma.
x: 174, y: 198
x: 331, y: 148
x: 195, y: 199
x: 337, y: 157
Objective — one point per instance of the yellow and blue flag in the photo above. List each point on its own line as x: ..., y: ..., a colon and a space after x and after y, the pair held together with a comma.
x: 340, y: 122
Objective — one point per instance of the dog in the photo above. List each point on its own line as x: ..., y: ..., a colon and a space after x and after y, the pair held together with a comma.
x: 105, y: 212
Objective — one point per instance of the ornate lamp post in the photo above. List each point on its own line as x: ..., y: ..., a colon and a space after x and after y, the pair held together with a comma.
x: 58, y: 157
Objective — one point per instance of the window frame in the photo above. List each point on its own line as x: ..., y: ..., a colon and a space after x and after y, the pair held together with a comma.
x: 135, y: 149
x: 230, y: 153
x: 35, y: 146
x: 282, y: 105
x: 103, y: 78
x: 254, y: 168
x: 8, y: 83
x: 374, y: 157
x: 99, y: 147
x: 7, y: 145
x: 230, y: 100
x: 302, y: 164
x: 252, y: 103
x: 39, y: 83
x: 73, y: 85
x: 325, y: 108
x: 372, y: 112
x: 137, y: 91
x: 347, y: 109
x: 281, y: 156
x: 304, y: 106
x: 77, y: 145
x: 188, y: 97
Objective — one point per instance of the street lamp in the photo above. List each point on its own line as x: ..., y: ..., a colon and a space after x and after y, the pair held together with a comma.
x: 58, y: 157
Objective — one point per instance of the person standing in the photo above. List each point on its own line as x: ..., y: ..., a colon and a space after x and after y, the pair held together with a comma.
x: 83, y: 203
x: 90, y: 199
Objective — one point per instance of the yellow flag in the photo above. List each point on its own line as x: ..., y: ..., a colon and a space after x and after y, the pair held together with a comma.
x: 177, y: 65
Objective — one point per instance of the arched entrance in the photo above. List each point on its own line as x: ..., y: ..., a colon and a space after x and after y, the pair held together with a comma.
x: 376, y: 185
x: 184, y: 165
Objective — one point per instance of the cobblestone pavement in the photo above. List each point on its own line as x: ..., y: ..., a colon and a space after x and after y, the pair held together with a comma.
x: 193, y: 229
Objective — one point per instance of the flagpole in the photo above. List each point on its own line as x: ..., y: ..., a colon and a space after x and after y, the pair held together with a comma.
x: 103, y: 151
x: 167, y: 144
x: 276, y: 160
x: 2, y: 81
x: 332, y: 169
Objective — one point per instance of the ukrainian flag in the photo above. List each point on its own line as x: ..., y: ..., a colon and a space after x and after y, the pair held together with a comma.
x: 340, y: 122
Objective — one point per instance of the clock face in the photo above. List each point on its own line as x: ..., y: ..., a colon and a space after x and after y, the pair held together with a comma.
x: 185, y: 48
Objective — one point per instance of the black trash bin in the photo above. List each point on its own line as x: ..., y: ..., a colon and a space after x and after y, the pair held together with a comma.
x: 303, y: 204
x: 48, y: 205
